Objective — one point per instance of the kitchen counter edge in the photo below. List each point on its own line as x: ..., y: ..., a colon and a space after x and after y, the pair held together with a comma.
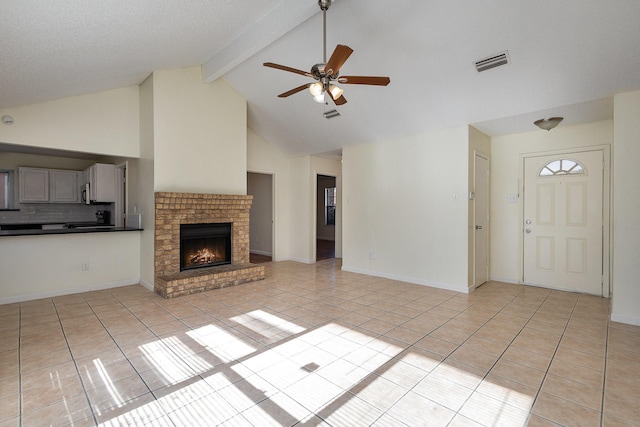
x: 4, y: 233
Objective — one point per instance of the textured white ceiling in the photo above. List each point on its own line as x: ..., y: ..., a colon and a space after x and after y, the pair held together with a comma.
x: 568, y: 58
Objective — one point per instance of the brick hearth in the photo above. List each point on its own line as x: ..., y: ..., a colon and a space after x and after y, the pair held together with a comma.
x: 173, y: 209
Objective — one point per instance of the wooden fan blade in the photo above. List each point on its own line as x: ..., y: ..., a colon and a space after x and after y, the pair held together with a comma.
x: 338, y: 58
x: 341, y: 100
x: 285, y: 68
x: 295, y: 90
x: 364, y: 80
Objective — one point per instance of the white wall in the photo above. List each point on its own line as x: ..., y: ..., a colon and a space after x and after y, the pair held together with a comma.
x: 302, y: 218
x: 262, y: 157
x: 102, y: 123
x: 145, y: 178
x: 626, y: 209
x: 404, y: 202
x: 43, y: 266
x: 260, y: 186
x: 200, y: 134
x: 506, y: 176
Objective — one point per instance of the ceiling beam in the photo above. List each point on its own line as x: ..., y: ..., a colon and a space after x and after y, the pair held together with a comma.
x: 282, y: 19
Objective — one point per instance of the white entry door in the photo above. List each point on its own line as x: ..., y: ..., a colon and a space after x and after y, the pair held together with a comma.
x: 563, y: 207
x: 481, y: 215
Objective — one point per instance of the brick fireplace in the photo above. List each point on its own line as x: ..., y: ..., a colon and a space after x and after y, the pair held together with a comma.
x: 175, y: 209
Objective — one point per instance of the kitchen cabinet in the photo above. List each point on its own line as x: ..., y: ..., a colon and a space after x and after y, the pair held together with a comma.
x: 34, y: 185
x: 64, y: 186
x: 38, y: 185
x: 102, y: 182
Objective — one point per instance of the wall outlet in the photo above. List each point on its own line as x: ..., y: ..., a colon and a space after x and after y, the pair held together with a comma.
x: 372, y: 254
x: 85, y: 266
x: 512, y: 198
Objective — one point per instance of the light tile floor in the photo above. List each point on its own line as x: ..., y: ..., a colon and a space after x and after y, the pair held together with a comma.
x: 313, y: 345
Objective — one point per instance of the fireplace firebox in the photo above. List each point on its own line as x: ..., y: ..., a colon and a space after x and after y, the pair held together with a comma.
x: 204, y: 245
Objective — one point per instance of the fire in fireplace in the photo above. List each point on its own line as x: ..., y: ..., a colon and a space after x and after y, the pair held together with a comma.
x: 204, y: 245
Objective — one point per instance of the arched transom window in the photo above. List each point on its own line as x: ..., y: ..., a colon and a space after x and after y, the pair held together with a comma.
x: 562, y: 167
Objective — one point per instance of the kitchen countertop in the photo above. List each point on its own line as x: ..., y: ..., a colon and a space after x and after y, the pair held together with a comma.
x: 40, y: 232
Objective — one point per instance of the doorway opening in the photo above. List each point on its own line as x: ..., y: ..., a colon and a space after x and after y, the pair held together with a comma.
x: 480, y: 231
x: 261, y: 225
x: 327, y: 198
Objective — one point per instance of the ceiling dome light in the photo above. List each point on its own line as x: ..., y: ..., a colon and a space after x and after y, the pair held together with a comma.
x: 548, y: 123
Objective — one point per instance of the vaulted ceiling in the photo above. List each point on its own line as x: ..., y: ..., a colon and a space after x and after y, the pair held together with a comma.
x: 566, y: 57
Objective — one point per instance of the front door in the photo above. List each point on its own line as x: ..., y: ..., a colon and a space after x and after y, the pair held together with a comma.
x: 563, y: 218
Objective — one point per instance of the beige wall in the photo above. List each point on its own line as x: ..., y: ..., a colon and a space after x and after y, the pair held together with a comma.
x: 506, y: 178
x: 405, y: 204
x: 146, y: 184
x: 54, y: 264
x: 262, y: 157
x: 301, y: 224
x: 626, y: 208
x: 200, y: 134
x: 101, y: 123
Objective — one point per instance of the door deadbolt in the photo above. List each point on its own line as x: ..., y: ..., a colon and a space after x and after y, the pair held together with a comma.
x: 478, y: 227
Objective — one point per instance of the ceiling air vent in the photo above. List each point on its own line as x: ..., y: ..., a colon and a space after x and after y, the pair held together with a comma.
x: 492, y: 62
x: 330, y: 114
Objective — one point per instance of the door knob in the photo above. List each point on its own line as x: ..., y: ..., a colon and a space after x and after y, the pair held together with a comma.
x: 478, y: 227
x: 527, y: 230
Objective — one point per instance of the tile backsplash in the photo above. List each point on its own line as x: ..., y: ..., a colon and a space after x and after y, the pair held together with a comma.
x: 51, y: 213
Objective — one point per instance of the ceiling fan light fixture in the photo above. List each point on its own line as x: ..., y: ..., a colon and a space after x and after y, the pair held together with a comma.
x: 336, y: 92
x: 548, y: 123
x: 317, y: 91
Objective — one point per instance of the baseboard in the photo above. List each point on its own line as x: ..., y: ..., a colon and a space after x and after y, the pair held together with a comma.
x: 265, y: 253
x: 505, y: 280
x: 147, y: 285
x: 304, y: 261
x: 61, y: 292
x: 463, y: 288
x: 625, y: 319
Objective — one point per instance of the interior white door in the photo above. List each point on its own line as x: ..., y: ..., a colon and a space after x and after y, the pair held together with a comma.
x: 481, y: 214
x: 563, y: 207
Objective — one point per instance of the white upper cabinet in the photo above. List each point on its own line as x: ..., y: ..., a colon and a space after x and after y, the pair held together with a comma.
x: 34, y: 185
x: 102, y: 182
x: 64, y: 186
x: 39, y: 185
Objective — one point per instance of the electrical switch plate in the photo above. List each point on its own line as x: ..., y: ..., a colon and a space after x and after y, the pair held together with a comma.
x: 512, y: 198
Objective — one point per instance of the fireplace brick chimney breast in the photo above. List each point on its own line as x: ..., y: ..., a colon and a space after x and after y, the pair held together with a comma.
x: 173, y: 209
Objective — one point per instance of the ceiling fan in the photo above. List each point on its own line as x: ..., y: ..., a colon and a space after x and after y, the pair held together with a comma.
x: 327, y: 72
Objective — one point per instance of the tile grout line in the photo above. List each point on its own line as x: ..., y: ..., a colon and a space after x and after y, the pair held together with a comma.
x: 551, y: 361
x: 20, y: 364
x: 606, y: 360
x: 84, y: 389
